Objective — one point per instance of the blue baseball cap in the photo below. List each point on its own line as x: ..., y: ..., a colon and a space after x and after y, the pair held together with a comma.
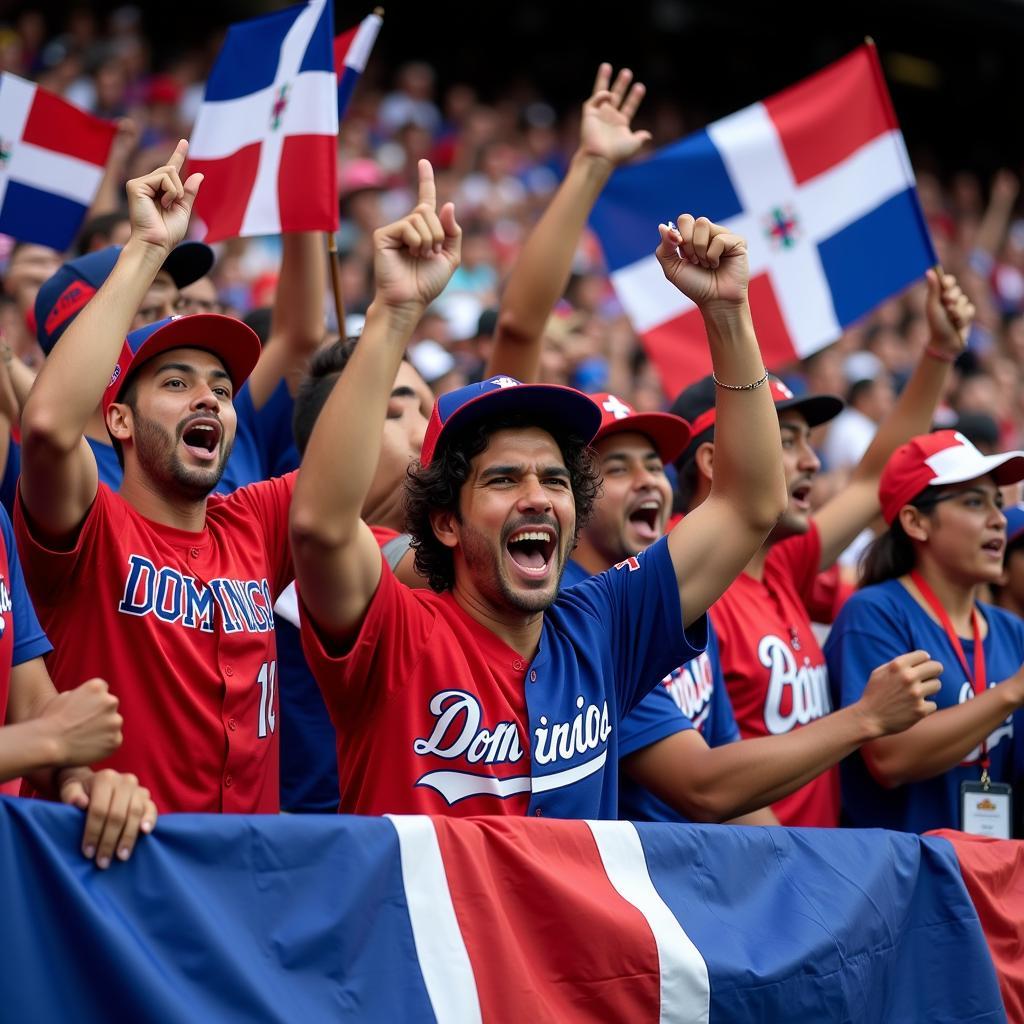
x: 551, y: 405
x: 64, y: 295
x: 1014, y: 523
x: 234, y: 343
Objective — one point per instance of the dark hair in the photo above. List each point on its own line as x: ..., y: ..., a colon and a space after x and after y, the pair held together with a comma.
x: 687, y: 480
x: 891, y: 554
x: 438, y: 486
x: 101, y: 226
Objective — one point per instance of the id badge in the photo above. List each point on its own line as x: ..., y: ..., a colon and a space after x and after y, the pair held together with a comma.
x: 986, y: 811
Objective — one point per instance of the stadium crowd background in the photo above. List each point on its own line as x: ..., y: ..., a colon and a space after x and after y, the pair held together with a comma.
x: 500, y: 136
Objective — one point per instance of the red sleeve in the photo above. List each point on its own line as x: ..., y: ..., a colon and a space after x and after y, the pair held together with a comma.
x: 829, y: 592
x: 798, y: 558
x: 387, y: 649
x: 268, y: 502
x: 48, y: 570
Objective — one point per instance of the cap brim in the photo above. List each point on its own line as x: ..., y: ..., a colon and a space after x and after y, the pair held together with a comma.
x: 550, y: 405
x: 187, y: 262
x: 1005, y: 468
x: 816, y: 409
x: 234, y: 343
x: 669, y: 433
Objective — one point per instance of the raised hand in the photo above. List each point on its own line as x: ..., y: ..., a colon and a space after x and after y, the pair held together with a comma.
x: 415, y: 257
x: 705, y: 261
x: 895, y: 697
x: 950, y: 313
x: 160, y: 205
x: 84, y: 723
x: 605, y: 130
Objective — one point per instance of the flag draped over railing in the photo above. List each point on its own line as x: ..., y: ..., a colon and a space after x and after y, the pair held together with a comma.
x: 816, y: 179
x: 277, y: 918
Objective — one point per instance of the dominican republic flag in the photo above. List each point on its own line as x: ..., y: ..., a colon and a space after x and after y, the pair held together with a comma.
x: 351, y: 52
x: 52, y: 157
x: 816, y: 179
x: 462, y: 920
x: 266, y: 134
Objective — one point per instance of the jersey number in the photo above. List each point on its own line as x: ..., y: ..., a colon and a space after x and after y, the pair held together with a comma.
x: 267, y: 680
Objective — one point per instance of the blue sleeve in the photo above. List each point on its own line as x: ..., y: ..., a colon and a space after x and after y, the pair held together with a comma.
x: 9, y: 483
x: 637, y: 606
x: 721, y: 727
x: 29, y: 639
x: 274, y: 432
x: 655, y: 718
x: 865, y: 635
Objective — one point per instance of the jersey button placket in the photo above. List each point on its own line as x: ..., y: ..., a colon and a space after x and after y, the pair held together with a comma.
x: 232, y: 724
x: 533, y: 675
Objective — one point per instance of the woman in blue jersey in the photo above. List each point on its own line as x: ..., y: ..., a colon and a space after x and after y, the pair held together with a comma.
x: 946, y: 537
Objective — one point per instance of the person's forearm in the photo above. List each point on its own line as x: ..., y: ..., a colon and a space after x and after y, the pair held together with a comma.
x: 992, y: 229
x: 911, y: 415
x: 942, y: 740
x: 341, y: 458
x: 28, y: 749
x: 542, y: 270
x: 748, y: 452
x: 76, y: 373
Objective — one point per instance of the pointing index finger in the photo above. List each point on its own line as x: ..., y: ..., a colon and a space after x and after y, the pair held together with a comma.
x: 177, y: 158
x: 428, y: 190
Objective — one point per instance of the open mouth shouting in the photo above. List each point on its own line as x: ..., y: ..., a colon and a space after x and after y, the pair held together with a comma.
x: 645, y: 519
x: 201, y: 438
x: 994, y: 548
x: 531, y: 550
x: 801, y: 496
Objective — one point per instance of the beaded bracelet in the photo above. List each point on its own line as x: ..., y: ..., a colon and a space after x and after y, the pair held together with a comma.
x: 943, y: 357
x: 741, y: 387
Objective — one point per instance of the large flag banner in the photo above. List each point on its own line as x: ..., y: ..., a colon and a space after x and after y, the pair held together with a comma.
x: 266, y: 133
x: 323, y: 918
x: 52, y: 157
x: 816, y: 179
x: 351, y: 52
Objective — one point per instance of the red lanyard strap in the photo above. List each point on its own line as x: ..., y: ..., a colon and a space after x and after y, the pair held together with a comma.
x: 977, y: 678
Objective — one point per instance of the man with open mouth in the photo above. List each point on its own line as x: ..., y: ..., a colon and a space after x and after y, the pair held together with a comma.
x: 161, y: 587
x: 488, y: 694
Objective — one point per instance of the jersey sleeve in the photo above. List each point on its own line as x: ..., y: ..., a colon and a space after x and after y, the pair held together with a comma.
x: 273, y: 429
x: 655, y: 718
x: 798, y: 558
x: 385, y: 652
x: 29, y: 639
x: 269, y: 501
x: 722, y: 727
x: 866, y: 634
x: 637, y: 607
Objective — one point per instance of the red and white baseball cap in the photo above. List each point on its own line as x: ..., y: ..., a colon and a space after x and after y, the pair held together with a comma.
x: 551, y: 406
x: 945, y: 457
x: 670, y: 433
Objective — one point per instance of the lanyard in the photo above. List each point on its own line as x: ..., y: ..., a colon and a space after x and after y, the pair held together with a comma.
x: 977, y: 678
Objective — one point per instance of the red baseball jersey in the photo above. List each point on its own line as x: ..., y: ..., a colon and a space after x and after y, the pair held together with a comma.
x: 180, y: 625
x: 774, y: 669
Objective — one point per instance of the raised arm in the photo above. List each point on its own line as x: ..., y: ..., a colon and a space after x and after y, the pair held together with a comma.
x: 715, y: 783
x: 713, y: 543
x: 541, y: 272
x: 337, y: 561
x: 950, y: 313
x: 297, y: 324
x: 58, y: 475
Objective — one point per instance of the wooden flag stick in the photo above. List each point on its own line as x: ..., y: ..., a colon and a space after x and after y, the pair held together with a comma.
x: 335, y: 267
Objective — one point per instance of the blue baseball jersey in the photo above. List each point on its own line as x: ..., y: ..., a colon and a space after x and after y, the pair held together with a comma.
x: 436, y: 714
x: 9, y: 480
x: 878, y: 624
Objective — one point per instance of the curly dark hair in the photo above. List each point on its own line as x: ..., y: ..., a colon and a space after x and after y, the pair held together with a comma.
x: 437, y: 487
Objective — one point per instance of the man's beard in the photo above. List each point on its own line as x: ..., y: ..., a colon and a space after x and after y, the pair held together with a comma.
x: 158, y: 455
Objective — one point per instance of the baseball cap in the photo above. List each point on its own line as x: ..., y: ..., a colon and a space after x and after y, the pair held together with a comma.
x: 234, y: 343
x: 359, y: 175
x: 944, y: 457
x: 669, y: 433
x: 1014, y: 523
x: 696, y: 405
x: 64, y: 295
x: 549, y: 404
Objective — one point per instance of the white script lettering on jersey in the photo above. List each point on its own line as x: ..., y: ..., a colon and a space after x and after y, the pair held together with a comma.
x: 459, y: 732
x: 805, y: 686
x: 691, y: 686
x: 995, y: 737
x: 175, y: 598
x: 6, y: 604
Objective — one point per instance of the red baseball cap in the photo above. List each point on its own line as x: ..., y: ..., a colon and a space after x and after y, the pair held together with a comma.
x: 670, y: 433
x: 234, y: 343
x: 552, y: 405
x: 945, y: 457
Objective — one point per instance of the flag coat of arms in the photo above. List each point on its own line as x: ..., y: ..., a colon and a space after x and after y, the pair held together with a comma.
x: 816, y: 179
x: 52, y: 157
x: 265, y: 136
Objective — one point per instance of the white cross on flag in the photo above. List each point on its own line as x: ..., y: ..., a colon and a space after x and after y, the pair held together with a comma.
x: 266, y: 134
x: 818, y: 182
